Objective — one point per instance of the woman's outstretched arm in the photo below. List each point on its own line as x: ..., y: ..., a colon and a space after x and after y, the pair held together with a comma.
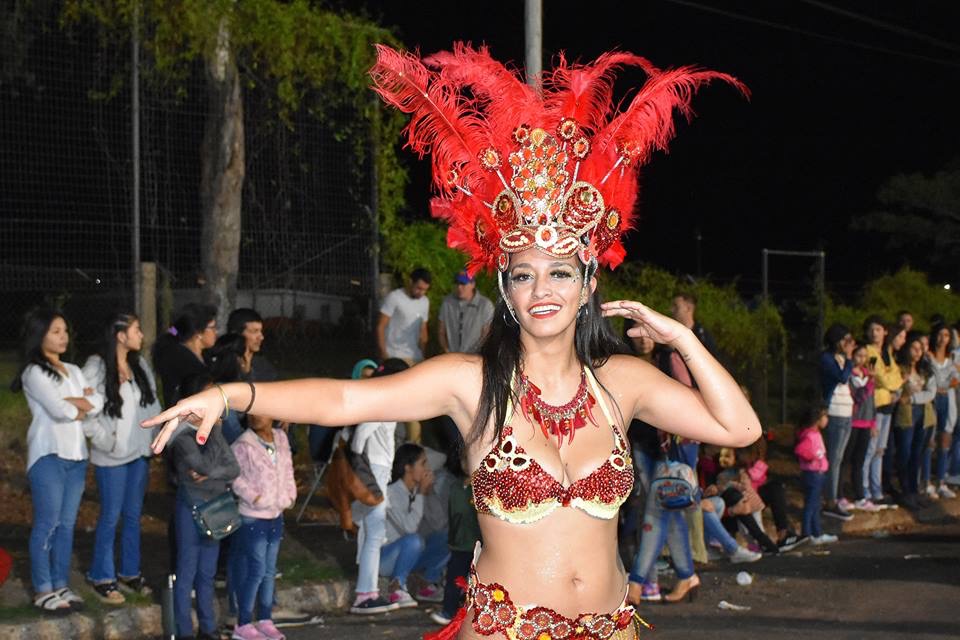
x: 434, y: 387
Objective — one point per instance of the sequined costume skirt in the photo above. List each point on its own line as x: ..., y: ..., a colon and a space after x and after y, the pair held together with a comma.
x: 495, y: 614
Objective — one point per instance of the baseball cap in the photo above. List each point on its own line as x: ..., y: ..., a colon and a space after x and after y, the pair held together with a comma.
x: 463, y: 278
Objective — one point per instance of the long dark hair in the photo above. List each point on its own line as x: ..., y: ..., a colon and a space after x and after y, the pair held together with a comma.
x: 223, y: 358
x: 113, y: 404
x: 903, y: 356
x: 502, y: 354
x: 35, y: 327
x: 893, y: 330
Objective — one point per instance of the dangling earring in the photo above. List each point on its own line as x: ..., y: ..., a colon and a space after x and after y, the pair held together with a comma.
x: 506, y: 301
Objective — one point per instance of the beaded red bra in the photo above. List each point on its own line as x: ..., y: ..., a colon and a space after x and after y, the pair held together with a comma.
x: 512, y: 486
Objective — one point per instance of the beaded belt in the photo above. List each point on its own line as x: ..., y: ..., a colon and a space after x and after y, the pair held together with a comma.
x: 494, y: 612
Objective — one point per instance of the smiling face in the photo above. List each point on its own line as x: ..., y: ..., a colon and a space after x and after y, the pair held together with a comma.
x: 943, y: 339
x: 546, y: 292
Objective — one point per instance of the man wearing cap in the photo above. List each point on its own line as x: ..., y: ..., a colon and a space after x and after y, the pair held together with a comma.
x: 465, y: 317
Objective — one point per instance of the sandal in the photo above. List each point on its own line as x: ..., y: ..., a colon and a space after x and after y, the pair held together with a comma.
x: 135, y: 585
x: 108, y: 592
x: 52, y: 603
x: 67, y: 595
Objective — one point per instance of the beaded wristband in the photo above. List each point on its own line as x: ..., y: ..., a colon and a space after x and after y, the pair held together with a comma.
x: 226, y: 403
x: 253, y: 396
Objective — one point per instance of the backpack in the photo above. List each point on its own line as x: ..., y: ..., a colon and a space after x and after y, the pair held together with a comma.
x: 675, y: 486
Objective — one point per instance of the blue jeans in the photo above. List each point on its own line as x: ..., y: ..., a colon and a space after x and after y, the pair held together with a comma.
x: 713, y: 529
x: 56, y: 487
x: 121, y: 489
x: 911, y: 442
x: 953, y: 457
x: 942, y: 405
x: 836, y: 436
x: 196, y: 568
x: 413, y: 552
x: 659, y: 527
x: 258, y: 541
x: 813, y: 482
x: 873, y: 465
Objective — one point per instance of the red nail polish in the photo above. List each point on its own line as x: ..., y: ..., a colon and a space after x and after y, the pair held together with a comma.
x: 201, y: 439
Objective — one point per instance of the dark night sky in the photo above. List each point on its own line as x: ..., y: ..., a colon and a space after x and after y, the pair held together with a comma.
x: 827, y: 124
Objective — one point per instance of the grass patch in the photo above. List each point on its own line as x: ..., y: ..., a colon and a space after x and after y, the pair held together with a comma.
x: 14, y: 414
x: 13, y: 615
x: 301, y: 569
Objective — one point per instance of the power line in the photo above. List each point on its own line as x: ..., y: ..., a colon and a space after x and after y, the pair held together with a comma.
x: 814, y: 34
x: 884, y: 25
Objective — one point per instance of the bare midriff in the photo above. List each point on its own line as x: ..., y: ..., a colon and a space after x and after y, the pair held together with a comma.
x: 566, y: 561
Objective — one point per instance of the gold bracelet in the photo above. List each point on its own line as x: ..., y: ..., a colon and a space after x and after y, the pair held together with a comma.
x: 226, y: 403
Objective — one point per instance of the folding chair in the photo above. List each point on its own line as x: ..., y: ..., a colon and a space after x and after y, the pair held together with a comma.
x: 322, y: 458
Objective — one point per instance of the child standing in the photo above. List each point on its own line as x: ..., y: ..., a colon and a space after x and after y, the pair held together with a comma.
x: 265, y: 487
x: 812, y: 455
x: 464, y: 533
x: 864, y: 424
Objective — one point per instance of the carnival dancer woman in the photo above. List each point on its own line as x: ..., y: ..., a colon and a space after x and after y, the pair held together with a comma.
x: 544, y: 407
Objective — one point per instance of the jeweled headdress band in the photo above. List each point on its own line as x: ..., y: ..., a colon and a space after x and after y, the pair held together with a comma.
x: 516, y: 169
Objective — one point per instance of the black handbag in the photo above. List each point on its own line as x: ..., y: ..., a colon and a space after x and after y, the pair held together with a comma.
x: 218, y: 517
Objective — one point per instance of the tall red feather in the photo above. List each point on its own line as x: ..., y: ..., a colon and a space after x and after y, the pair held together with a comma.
x: 585, y: 92
x: 504, y: 98
x: 648, y: 121
x: 442, y: 123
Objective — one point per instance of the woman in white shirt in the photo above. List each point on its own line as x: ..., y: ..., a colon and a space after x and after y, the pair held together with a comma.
x: 59, y: 398
x: 120, y: 452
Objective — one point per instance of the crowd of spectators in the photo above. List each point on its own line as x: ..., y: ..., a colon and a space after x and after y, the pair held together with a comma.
x: 879, y: 436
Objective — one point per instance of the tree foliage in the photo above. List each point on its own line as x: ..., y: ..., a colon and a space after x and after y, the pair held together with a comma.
x: 919, y: 217
x: 887, y: 295
x: 744, y: 334
x: 304, y: 56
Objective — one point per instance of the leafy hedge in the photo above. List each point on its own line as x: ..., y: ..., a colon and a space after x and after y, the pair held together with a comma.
x: 886, y: 295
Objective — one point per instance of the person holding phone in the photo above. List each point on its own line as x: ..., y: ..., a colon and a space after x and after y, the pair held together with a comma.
x: 882, y: 341
x: 863, y: 423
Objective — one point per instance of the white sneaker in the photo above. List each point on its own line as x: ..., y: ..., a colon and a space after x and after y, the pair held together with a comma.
x: 402, y: 599
x: 931, y: 492
x: 866, y: 505
x: 742, y: 554
x: 825, y: 538
x: 946, y: 492
x: 439, y: 618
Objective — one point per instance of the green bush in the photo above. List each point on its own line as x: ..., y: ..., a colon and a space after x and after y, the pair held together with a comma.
x: 888, y: 294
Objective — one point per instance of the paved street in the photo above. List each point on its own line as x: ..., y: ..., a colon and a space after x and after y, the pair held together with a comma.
x: 892, y: 588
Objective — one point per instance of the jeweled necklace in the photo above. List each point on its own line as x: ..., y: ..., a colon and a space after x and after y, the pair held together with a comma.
x: 557, y: 421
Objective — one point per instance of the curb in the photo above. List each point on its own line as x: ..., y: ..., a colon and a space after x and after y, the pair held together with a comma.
x: 145, y: 621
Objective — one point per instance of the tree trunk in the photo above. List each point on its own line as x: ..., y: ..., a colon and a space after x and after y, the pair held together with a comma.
x: 222, y: 179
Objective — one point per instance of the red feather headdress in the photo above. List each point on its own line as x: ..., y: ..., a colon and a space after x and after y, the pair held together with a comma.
x: 515, y: 169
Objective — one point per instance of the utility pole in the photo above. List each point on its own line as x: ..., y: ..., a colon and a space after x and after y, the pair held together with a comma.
x: 533, y: 30
x: 135, y: 152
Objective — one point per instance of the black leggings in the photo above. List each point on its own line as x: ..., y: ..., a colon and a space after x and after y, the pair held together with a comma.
x: 775, y: 497
x: 859, y: 442
x: 757, y: 533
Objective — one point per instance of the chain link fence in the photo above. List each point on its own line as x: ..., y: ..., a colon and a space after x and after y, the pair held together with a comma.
x: 66, y: 193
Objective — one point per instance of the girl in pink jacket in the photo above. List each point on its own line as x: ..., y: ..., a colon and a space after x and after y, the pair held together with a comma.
x: 264, y: 488
x: 812, y: 455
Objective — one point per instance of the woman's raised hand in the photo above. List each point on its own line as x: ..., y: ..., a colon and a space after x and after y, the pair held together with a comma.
x: 647, y: 322
x: 202, y: 410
